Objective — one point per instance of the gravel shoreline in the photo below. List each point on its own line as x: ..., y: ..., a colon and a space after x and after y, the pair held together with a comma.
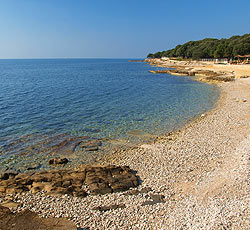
x: 195, y: 178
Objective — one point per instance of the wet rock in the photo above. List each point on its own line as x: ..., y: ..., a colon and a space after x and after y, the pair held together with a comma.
x: 91, y: 130
x: 7, y: 175
x: 56, y: 161
x: 33, y: 167
x: 90, y: 144
x: 92, y: 149
x: 29, y: 221
x: 68, y: 146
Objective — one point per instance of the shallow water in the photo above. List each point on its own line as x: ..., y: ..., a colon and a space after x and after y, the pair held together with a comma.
x: 100, y: 98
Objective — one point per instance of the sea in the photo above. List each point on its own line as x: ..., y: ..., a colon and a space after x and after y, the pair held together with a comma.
x: 48, y: 106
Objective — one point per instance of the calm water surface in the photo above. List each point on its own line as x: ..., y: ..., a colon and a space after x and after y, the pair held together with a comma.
x: 100, y: 98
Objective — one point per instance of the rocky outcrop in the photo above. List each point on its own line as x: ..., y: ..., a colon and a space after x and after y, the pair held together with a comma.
x: 27, y: 220
x: 201, y: 75
x: 95, y: 179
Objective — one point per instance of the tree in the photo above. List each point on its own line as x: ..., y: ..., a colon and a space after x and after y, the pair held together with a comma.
x: 209, y: 48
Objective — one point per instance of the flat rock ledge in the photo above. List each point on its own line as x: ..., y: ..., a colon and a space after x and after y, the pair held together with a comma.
x: 95, y: 180
x: 205, y: 75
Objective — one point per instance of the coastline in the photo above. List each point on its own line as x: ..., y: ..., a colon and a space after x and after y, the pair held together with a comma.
x: 193, y: 178
x: 203, y: 168
x: 201, y: 71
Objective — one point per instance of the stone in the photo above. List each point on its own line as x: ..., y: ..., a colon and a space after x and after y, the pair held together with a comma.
x: 90, y: 144
x: 99, y: 179
x: 34, y: 166
x: 91, y: 149
x: 107, y: 208
x: 8, y: 174
x: 56, y: 161
x: 110, y: 179
x: 136, y: 191
x: 10, y: 204
x: 155, y: 199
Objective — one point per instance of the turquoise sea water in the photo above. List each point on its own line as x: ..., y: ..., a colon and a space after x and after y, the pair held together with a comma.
x: 100, y: 98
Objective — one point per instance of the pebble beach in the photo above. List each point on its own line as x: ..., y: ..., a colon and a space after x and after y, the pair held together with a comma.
x: 194, y: 178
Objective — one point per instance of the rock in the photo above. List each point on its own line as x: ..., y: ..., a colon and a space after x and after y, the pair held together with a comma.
x: 8, y: 174
x: 91, y: 130
x: 155, y: 199
x: 55, y: 161
x: 27, y: 220
x: 90, y: 144
x: 108, y: 179
x: 10, y: 204
x: 100, y: 180
x: 34, y: 166
x: 136, y: 191
x: 92, y: 149
x: 107, y: 208
x: 67, y: 147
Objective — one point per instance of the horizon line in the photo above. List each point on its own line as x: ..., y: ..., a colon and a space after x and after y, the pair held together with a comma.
x: 71, y: 58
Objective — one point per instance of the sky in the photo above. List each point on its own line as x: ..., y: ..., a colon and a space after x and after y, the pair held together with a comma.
x: 113, y: 28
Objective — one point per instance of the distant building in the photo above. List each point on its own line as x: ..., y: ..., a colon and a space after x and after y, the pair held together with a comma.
x: 243, y: 59
x: 239, y: 59
x: 216, y: 60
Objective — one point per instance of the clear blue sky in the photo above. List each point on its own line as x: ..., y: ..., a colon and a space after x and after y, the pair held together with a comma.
x: 113, y: 28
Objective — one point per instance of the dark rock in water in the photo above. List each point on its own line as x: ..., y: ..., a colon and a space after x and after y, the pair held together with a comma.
x: 107, y: 208
x: 91, y: 143
x: 100, y: 180
x: 56, y: 161
x: 92, y: 130
x: 34, y: 166
x: 7, y: 175
x: 67, y: 147
x: 92, y: 149
x: 27, y: 220
x: 139, y: 119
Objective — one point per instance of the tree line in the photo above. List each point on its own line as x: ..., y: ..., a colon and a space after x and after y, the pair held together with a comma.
x: 209, y: 48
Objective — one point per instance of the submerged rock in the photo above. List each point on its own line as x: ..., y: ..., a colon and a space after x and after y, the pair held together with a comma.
x: 91, y: 145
